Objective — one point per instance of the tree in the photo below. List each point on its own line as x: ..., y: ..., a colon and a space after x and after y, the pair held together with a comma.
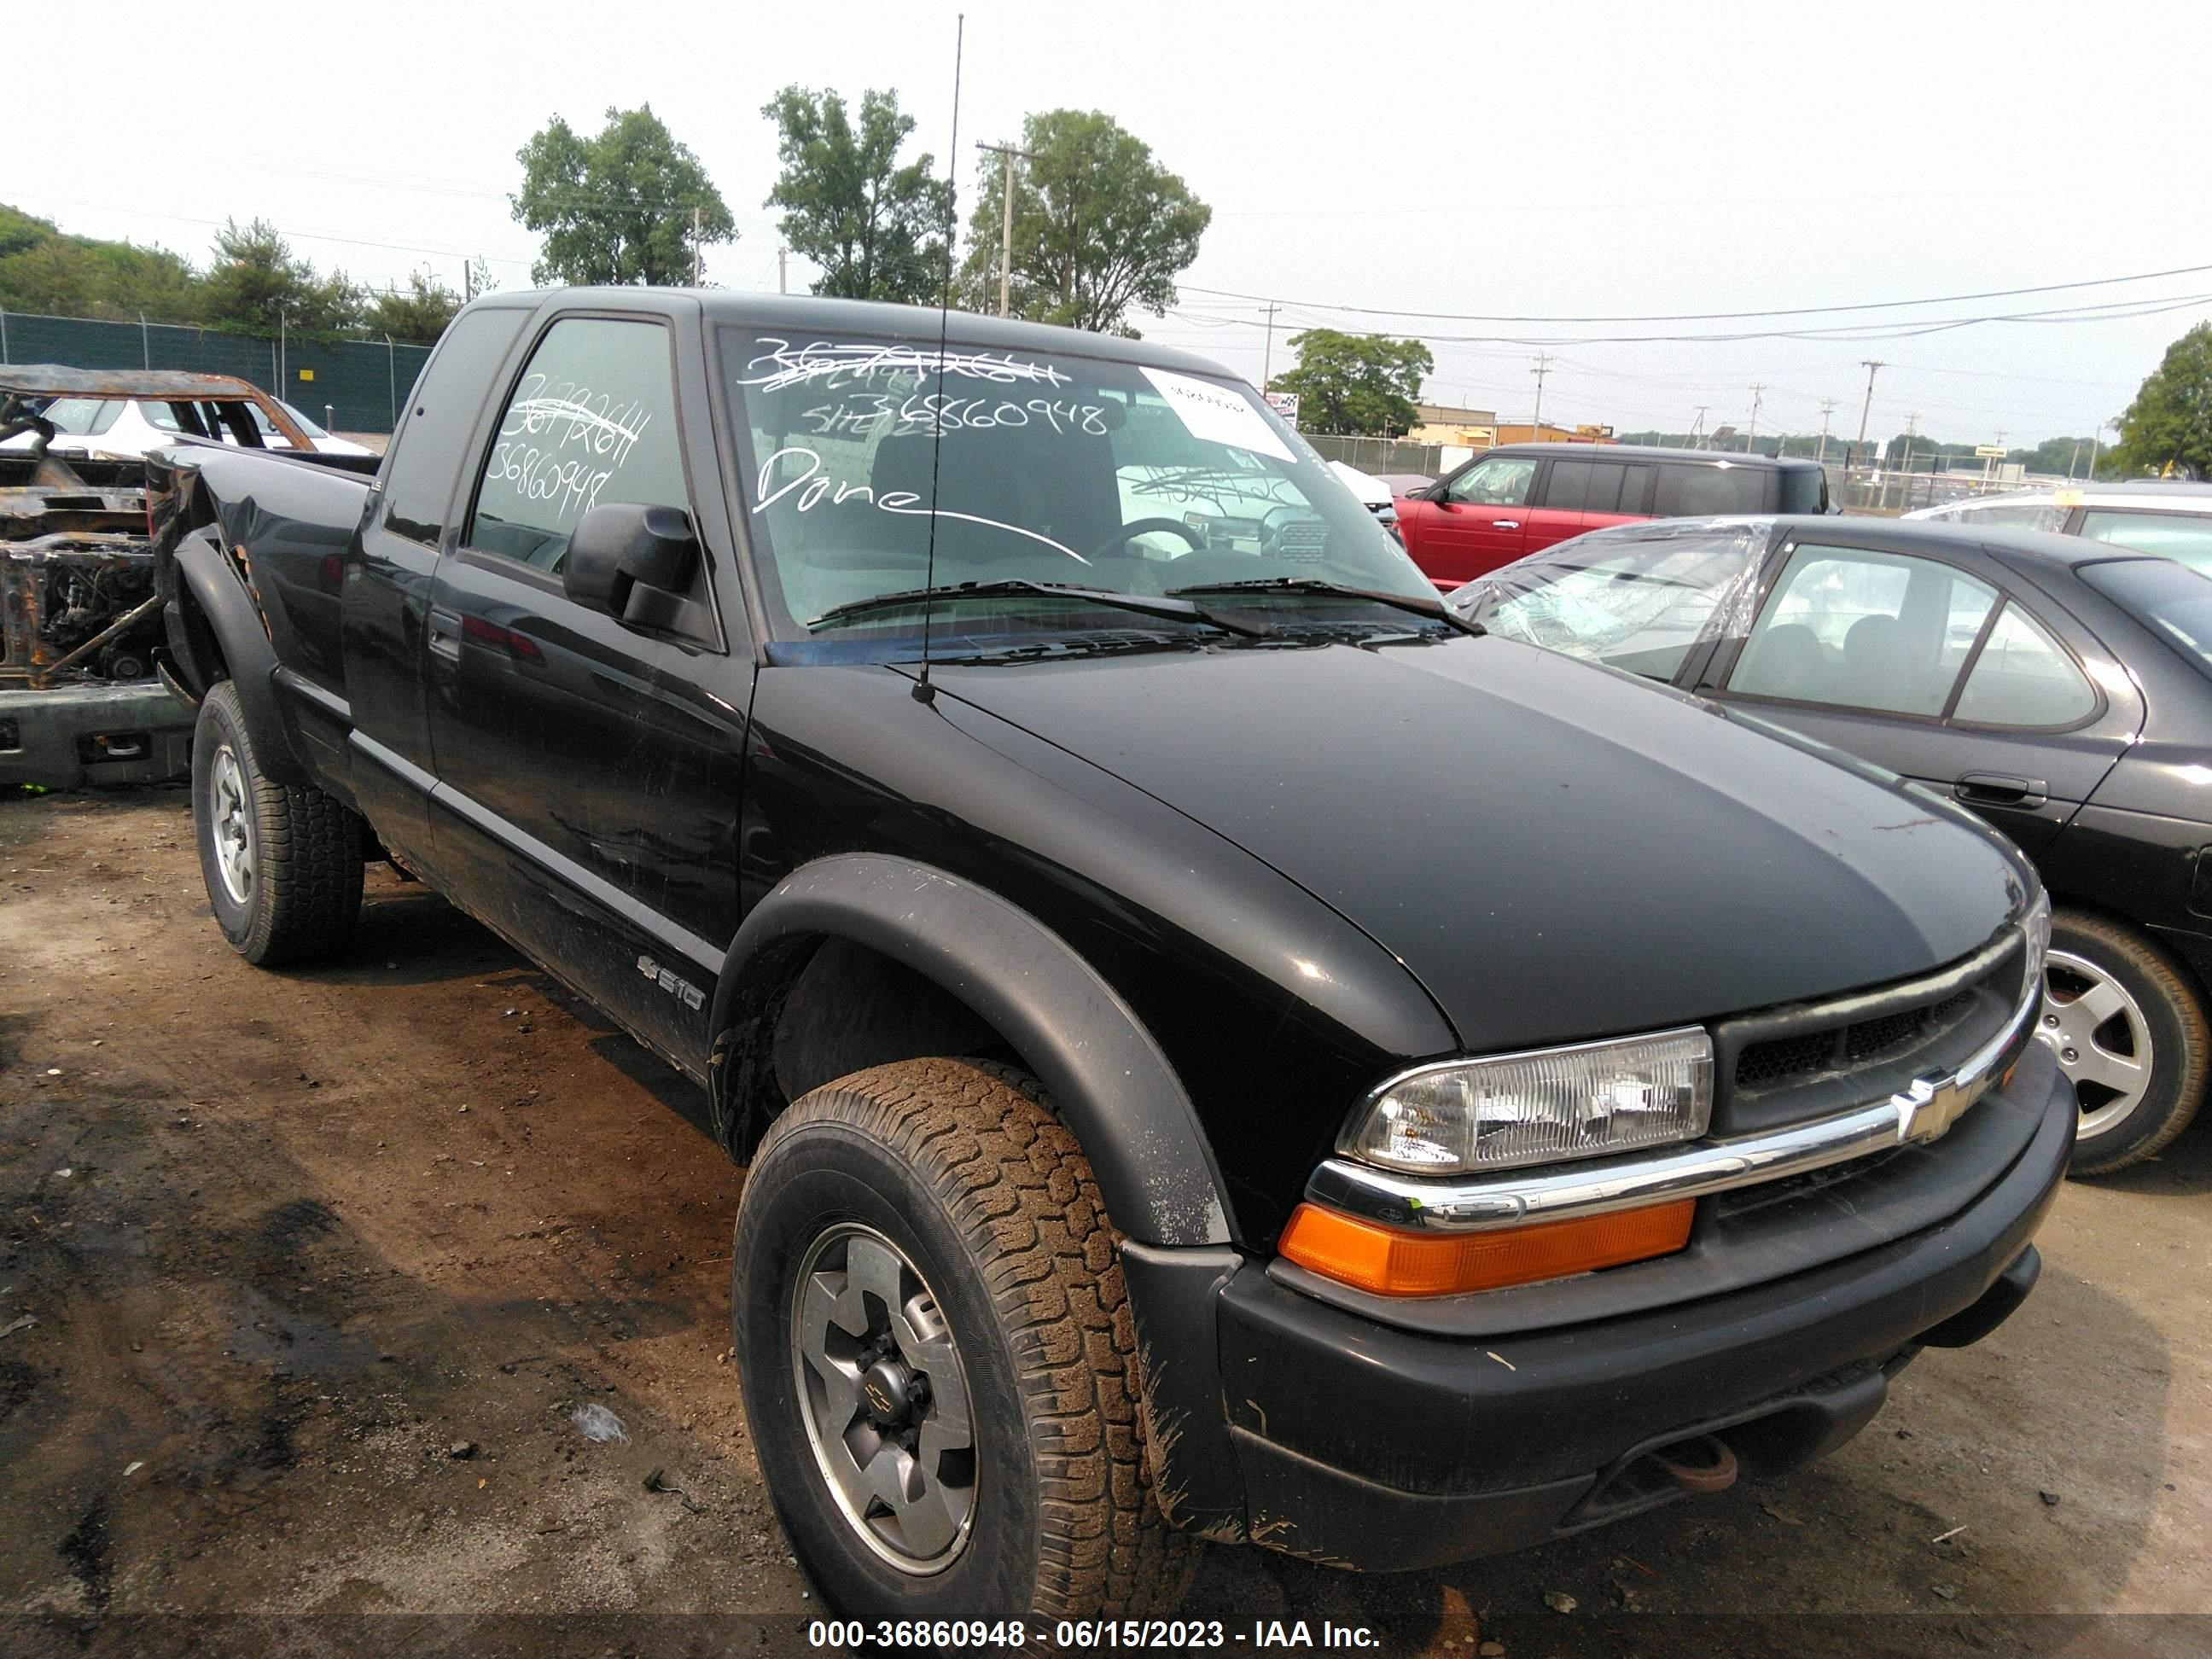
x: 41, y: 269
x: 1099, y: 226
x: 629, y: 204
x: 2169, y: 424
x: 1363, y: 384
x: 877, y: 229
x: 258, y: 283
x: 420, y: 314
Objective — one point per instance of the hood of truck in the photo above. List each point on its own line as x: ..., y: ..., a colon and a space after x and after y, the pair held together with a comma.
x: 1555, y: 851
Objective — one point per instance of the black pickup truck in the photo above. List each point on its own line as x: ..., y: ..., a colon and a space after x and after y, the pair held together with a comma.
x: 1222, y: 1049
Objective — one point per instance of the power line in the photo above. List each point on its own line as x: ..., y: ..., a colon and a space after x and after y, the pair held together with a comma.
x: 1720, y: 316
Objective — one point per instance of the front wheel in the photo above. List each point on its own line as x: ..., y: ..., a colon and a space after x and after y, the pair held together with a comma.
x: 282, y: 862
x: 2129, y: 1033
x: 939, y: 1360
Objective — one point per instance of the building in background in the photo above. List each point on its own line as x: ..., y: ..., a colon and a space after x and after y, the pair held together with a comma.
x: 1444, y: 424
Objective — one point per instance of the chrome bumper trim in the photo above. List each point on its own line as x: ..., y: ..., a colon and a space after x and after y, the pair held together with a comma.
x: 1923, y: 1112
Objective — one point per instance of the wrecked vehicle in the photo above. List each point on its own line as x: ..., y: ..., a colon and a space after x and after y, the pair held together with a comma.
x: 1012, y: 776
x: 80, y: 702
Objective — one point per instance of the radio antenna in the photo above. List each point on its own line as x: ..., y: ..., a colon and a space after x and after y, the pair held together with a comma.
x: 923, y: 691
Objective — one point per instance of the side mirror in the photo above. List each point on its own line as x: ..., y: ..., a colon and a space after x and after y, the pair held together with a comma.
x: 616, y: 548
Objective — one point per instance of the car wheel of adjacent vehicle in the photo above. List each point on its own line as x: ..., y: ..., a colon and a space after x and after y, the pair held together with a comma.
x: 2129, y: 1033
x: 282, y: 862
x: 940, y: 1365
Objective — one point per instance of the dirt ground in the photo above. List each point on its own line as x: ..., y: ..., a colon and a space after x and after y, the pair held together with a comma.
x: 304, y: 1278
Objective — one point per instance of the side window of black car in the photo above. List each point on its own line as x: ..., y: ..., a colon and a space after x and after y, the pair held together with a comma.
x: 1864, y: 629
x: 1697, y: 490
x: 591, y: 423
x: 2024, y: 677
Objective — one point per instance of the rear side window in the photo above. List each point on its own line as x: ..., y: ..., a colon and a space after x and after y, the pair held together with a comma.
x: 1804, y: 489
x: 2182, y: 537
x: 1693, y: 489
x: 1586, y: 486
x: 2024, y: 677
x: 434, y: 435
x: 592, y: 421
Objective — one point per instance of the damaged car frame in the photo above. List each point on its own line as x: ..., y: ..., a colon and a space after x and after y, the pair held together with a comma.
x: 80, y: 703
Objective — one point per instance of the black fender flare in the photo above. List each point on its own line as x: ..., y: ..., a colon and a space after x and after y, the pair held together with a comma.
x: 1111, y: 1083
x: 204, y: 571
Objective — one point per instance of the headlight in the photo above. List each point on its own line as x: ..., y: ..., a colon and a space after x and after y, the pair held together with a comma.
x: 1539, y: 1107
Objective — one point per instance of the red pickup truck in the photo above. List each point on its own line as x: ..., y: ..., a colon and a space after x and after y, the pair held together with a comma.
x: 1509, y: 502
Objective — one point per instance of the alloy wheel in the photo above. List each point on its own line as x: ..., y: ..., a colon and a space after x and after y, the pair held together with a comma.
x: 885, y: 1399
x: 230, y: 817
x: 2100, y: 1037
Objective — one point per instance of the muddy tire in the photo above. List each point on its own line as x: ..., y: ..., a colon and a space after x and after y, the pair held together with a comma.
x: 940, y: 1365
x: 282, y: 862
x: 2129, y: 1032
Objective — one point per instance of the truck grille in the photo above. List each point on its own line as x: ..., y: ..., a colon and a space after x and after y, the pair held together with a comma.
x: 1763, y: 1065
x: 1805, y: 1060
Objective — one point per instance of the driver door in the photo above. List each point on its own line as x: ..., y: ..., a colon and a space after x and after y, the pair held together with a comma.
x: 588, y: 770
x: 1475, y: 521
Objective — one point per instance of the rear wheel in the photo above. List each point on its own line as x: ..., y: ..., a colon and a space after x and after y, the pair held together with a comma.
x: 2131, y: 1035
x: 938, y: 1361
x: 282, y: 862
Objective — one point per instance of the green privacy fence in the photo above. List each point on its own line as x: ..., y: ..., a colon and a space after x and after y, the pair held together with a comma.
x: 363, y: 384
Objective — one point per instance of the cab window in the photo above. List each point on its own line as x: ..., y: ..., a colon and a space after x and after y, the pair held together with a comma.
x: 592, y: 421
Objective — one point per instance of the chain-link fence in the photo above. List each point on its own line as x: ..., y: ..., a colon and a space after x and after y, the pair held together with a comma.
x: 1379, y: 454
x: 1863, y: 489
x: 348, y: 386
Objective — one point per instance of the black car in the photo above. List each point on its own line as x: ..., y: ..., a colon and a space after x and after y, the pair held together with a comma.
x: 1009, y: 771
x: 2057, y: 686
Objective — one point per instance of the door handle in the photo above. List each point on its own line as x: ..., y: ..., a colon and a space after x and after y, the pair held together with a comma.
x: 442, y: 633
x: 2000, y: 789
x: 1505, y: 524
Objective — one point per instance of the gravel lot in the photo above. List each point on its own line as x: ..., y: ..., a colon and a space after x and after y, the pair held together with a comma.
x: 305, y: 1276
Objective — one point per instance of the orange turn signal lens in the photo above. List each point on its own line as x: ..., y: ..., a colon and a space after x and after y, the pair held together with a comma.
x: 1391, y: 1261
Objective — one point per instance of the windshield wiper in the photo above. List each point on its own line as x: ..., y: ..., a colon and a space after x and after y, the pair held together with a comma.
x: 1434, y: 609
x: 1230, y: 622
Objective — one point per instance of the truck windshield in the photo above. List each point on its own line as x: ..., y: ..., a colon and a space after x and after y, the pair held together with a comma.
x: 1041, y: 467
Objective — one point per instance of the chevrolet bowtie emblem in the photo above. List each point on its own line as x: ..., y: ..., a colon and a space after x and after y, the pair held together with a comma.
x: 1929, y: 1105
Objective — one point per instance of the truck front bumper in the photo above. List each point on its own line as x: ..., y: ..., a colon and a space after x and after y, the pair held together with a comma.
x: 1338, y: 1437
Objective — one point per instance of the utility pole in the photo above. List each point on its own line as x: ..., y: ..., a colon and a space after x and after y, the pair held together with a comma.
x: 1827, y: 408
x: 1697, y: 428
x: 2095, y: 439
x: 1006, y: 153
x: 695, y: 247
x: 782, y: 284
x: 1750, y: 438
x: 1911, y: 423
x: 1267, y: 350
x: 1536, y: 421
x: 1865, y: 409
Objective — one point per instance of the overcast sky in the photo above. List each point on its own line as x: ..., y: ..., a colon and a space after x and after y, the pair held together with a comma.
x: 1532, y: 161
